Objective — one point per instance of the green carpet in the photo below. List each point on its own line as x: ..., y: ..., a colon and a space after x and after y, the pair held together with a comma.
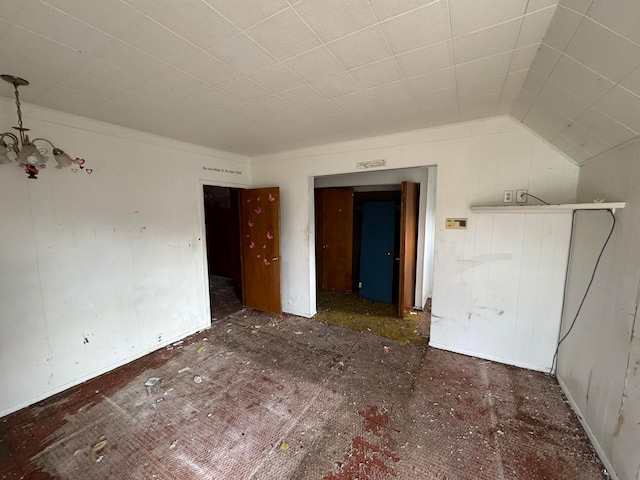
x: 350, y: 311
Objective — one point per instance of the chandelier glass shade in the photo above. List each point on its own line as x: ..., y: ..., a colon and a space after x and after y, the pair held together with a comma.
x: 19, y: 148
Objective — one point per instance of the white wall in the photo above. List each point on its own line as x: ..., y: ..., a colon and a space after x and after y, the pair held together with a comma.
x: 115, y: 257
x: 475, y: 161
x: 599, y: 362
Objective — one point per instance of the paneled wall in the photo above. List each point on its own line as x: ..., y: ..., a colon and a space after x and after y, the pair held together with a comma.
x: 94, y: 267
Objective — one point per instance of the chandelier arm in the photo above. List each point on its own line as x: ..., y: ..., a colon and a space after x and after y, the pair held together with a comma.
x: 13, y: 137
x: 44, y: 140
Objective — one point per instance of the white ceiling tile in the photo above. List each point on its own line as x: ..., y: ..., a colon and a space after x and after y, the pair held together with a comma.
x: 208, y: 69
x: 284, y: 35
x: 586, y: 85
x: 570, y: 149
x: 438, y: 97
x: 366, y: 46
x: 10, y: 8
x: 379, y: 73
x: 579, y: 6
x: 545, y: 121
x: 248, y: 111
x: 491, y: 41
x: 534, y: 5
x: 534, y: 82
x: 122, y: 107
x: 128, y: 58
x: 427, y: 59
x: 301, y: 96
x: 216, y: 97
x: 277, y: 78
x: 336, y: 85
x: 514, y: 82
x: 506, y: 103
x: 144, y: 5
x: 69, y: 100
x: 365, y: 113
x: 534, y: 27
x: 90, y: 86
x: 623, y: 106
x: 247, y: 12
x: 389, y: 92
x: 523, y: 58
x: 584, y: 140
x: 402, y: 105
x: 604, y: 51
x: 432, y: 81
x: 632, y: 82
x: 332, y: 19
x: 418, y: 28
x: 271, y: 104
x: 385, y: 9
x: 321, y: 109
x: 487, y: 67
x: 195, y: 21
x: 605, y: 127
x: 560, y: 100
x: 522, y: 104
x: 562, y: 27
x: 110, y: 16
x: 353, y: 101
x: 158, y: 92
x: 620, y: 16
x: 56, y: 25
x: 340, y: 119
x: 245, y: 89
x: 471, y: 15
x: 483, y: 88
x: 545, y: 60
x: 180, y: 81
x: 315, y: 64
x: 156, y: 40
x: 243, y: 54
x: 442, y: 114
x: 40, y: 61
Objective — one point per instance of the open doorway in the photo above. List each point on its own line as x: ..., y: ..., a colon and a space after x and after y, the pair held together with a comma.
x: 374, y: 250
x: 222, y: 229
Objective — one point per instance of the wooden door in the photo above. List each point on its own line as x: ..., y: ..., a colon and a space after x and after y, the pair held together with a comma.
x: 336, y: 238
x: 260, y: 248
x: 408, y: 231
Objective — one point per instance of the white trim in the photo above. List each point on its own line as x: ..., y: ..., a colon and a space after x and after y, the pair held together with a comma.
x: 587, y: 429
x: 563, y: 208
x: 102, y: 371
x: 493, y: 358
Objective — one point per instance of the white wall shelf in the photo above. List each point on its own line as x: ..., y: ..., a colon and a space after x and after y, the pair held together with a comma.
x: 563, y: 208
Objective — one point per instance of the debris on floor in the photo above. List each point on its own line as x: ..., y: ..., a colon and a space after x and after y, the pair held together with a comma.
x: 151, y: 385
x: 97, y: 449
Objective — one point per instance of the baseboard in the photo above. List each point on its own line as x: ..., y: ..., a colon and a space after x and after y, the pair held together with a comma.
x: 493, y: 358
x: 587, y: 429
x: 97, y: 373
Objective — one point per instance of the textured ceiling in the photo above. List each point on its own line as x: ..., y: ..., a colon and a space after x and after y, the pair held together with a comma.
x: 258, y: 76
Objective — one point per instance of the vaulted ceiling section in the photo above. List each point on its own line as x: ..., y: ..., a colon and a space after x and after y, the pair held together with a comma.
x: 259, y: 76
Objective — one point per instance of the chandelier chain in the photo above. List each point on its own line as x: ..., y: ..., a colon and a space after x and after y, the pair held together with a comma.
x: 15, y: 86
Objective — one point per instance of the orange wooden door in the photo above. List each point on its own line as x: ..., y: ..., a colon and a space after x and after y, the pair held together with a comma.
x: 408, y: 232
x: 260, y: 249
x: 336, y: 238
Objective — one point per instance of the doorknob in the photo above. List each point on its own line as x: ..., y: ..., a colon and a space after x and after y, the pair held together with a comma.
x: 275, y: 259
x: 389, y: 254
x: 324, y: 246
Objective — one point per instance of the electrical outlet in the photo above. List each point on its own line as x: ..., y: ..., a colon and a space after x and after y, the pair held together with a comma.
x: 159, y: 338
x: 508, y: 196
x: 521, y: 196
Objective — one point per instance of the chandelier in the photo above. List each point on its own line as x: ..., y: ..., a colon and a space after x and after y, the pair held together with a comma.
x: 24, y: 150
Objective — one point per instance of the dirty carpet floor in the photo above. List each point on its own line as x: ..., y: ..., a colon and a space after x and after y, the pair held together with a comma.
x: 260, y: 397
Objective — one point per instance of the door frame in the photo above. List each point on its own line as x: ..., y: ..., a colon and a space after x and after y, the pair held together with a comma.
x: 425, y: 254
x: 203, y: 236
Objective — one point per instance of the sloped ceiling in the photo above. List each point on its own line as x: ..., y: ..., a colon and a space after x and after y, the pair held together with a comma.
x: 259, y: 76
x: 582, y: 92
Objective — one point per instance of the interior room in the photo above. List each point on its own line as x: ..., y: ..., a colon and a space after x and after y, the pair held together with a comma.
x: 156, y: 150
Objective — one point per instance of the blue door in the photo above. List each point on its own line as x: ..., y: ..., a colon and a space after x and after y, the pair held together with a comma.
x: 377, y: 251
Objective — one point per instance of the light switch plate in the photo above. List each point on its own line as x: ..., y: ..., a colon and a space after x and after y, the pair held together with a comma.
x: 456, y: 223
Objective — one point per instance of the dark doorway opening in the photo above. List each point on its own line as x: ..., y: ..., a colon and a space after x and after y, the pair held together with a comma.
x: 222, y: 228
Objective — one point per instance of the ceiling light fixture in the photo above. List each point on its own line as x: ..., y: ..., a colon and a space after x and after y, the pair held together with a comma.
x: 26, y: 153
